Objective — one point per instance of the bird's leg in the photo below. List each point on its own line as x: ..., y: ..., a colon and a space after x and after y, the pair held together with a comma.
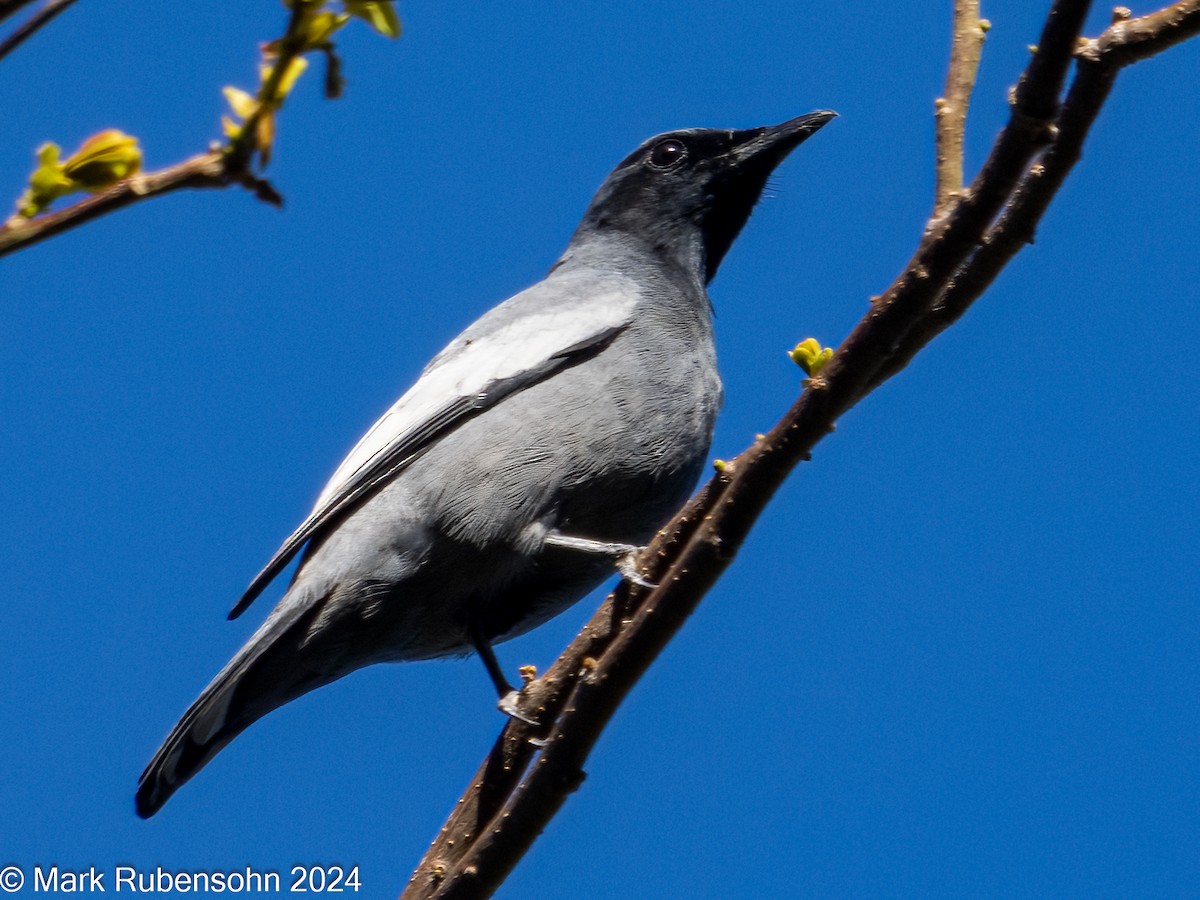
x: 624, y: 556
x: 509, y: 696
x: 484, y: 648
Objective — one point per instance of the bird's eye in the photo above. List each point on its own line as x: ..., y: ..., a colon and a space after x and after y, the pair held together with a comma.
x: 667, y: 154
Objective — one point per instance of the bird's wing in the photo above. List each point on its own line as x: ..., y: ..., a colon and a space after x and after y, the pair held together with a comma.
x: 519, y: 343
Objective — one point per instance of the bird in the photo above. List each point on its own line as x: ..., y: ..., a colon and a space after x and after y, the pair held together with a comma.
x: 535, y: 453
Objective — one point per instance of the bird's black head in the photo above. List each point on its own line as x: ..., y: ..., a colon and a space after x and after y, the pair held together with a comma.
x: 688, y: 193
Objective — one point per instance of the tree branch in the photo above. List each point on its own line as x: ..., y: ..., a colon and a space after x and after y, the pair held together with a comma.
x: 467, y: 858
x: 1130, y: 40
x: 208, y: 170
x: 9, y: 8
x: 531, y: 770
x: 218, y: 168
x: 309, y: 29
x: 950, y: 110
x: 243, y: 147
x: 1100, y: 60
x: 31, y: 25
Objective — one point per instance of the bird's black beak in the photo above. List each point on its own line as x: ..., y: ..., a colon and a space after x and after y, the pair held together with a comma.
x: 770, y: 145
x: 741, y: 173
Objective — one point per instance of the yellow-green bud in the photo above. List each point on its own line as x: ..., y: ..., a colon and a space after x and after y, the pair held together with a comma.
x: 811, y: 356
x: 103, y: 160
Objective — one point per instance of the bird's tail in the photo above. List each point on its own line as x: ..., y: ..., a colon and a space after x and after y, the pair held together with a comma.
x: 266, y: 673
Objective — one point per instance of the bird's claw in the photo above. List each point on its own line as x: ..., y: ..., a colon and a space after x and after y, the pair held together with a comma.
x: 627, y: 566
x: 510, y: 705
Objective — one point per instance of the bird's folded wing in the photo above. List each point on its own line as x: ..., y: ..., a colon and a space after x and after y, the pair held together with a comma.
x: 505, y: 351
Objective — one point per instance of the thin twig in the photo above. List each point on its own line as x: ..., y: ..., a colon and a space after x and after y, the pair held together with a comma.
x: 1034, y: 105
x: 31, y: 25
x: 1100, y: 60
x: 207, y: 170
x: 243, y: 147
x: 962, y: 230
x: 502, y: 812
x: 953, y: 237
x: 950, y: 110
x: 9, y: 8
x: 1131, y: 40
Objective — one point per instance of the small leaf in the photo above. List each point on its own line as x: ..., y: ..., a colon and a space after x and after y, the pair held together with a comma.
x: 265, y: 135
x: 379, y: 14
x: 49, y: 171
x: 242, y: 103
x: 103, y: 160
x: 47, y: 182
x: 287, y: 81
x: 321, y: 27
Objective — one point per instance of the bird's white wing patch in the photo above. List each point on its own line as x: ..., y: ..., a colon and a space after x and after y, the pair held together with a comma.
x: 467, y: 368
x: 523, y: 340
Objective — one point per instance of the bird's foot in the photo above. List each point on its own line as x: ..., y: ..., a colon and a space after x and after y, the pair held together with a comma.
x: 627, y: 566
x: 510, y: 705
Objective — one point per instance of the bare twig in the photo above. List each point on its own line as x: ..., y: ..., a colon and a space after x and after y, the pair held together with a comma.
x: 1100, y: 60
x: 9, y: 8
x: 520, y: 787
x: 950, y: 111
x: 952, y: 238
x: 1129, y: 40
x: 208, y: 170
x: 31, y: 25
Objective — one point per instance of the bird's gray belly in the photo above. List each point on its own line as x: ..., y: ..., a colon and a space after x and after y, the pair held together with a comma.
x: 597, y: 451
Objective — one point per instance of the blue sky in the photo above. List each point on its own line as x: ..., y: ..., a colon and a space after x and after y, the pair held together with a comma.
x: 957, y: 655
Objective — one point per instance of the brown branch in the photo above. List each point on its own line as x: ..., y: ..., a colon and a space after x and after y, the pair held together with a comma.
x: 1100, y: 60
x: 950, y: 110
x: 951, y: 238
x: 9, y: 8
x: 522, y: 784
x: 547, y: 700
x: 1131, y: 40
x: 31, y: 25
x: 207, y: 170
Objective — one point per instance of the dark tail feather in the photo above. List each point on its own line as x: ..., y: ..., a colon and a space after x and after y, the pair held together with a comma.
x: 205, y: 728
x: 267, y: 672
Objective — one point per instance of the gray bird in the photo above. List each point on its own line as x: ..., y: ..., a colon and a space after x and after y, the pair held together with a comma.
x: 543, y: 445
